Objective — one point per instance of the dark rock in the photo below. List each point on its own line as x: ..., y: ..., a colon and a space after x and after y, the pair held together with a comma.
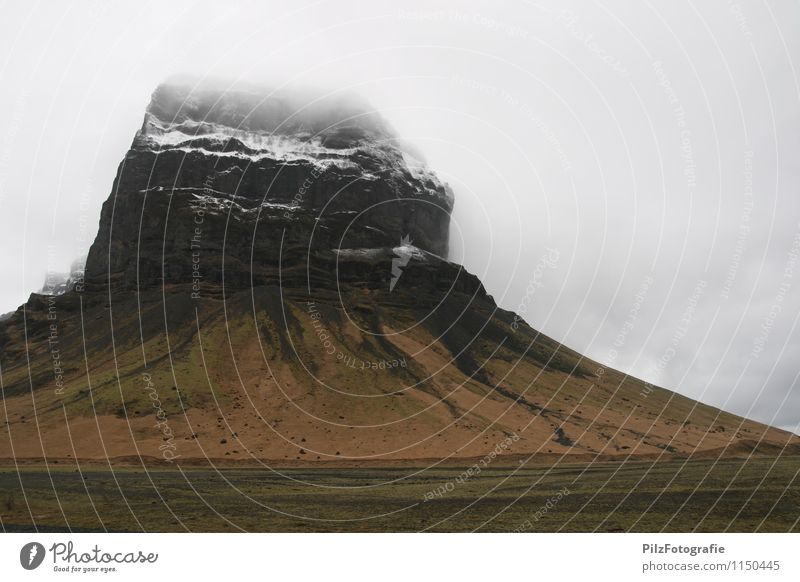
x: 231, y: 185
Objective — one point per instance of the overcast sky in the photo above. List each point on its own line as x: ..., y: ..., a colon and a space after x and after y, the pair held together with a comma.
x: 626, y: 173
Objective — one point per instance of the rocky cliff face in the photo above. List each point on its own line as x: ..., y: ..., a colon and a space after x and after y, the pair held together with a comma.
x: 230, y: 184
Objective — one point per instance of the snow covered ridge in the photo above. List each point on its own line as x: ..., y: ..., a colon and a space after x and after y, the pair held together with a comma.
x: 187, y: 134
x: 339, y: 131
x: 262, y: 110
x: 261, y: 121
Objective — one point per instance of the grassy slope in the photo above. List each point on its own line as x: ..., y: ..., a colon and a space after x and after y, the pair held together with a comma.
x: 257, y: 381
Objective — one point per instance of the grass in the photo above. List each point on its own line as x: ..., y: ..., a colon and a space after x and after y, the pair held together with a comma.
x: 732, y: 495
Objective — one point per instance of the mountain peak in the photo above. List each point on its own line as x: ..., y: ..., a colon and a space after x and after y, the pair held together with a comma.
x: 269, y: 171
x: 202, y: 107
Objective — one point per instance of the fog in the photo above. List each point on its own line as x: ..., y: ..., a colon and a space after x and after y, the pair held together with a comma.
x: 625, y: 173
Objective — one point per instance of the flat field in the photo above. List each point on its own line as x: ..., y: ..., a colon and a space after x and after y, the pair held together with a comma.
x: 740, y: 495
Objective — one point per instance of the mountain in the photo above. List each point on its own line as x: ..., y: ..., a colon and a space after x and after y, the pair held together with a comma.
x: 270, y: 282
